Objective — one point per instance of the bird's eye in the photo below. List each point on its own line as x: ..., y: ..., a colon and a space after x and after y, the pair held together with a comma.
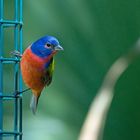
x: 48, y: 45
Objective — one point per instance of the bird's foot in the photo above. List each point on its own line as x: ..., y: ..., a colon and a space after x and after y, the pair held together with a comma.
x: 16, y: 93
x: 16, y: 54
x: 19, y: 92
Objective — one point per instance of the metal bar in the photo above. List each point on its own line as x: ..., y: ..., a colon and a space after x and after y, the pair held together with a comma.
x: 21, y: 11
x: 1, y: 68
x: 8, y: 25
x: 11, y: 22
x: 9, y: 59
x: 20, y: 118
x: 15, y: 117
x: 8, y: 98
x: 10, y: 133
x: 8, y: 62
x: 1, y: 74
x: 1, y: 10
x: 20, y: 77
x: 16, y: 71
x: 16, y: 10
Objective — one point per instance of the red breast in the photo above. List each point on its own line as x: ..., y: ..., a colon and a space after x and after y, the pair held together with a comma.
x: 32, y: 68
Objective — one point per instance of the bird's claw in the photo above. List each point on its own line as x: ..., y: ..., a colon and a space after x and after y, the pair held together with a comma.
x: 16, y: 53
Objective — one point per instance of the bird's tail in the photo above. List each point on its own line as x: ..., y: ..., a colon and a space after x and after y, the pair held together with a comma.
x: 34, y: 103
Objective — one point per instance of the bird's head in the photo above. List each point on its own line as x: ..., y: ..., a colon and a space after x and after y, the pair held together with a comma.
x: 46, y: 46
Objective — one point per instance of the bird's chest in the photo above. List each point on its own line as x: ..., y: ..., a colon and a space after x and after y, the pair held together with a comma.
x: 33, y: 66
x: 33, y: 69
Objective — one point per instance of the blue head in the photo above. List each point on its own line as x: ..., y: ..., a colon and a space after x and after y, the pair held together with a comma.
x: 45, y: 46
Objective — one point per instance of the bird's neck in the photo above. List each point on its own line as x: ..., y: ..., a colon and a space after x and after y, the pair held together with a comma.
x: 42, y: 60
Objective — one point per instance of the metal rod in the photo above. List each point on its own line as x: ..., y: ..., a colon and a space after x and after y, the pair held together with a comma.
x: 1, y: 10
x: 1, y: 75
x: 16, y: 10
x: 21, y: 11
x: 20, y: 118
x: 10, y: 133
x: 16, y: 89
x: 16, y: 71
x: 8, y: 25
x: 8, y: 96
x: 8, y: 62
x: 20, y: 77
x: 9, y: 59
x: 16, y: 103
x: 1, y: 68
x: 10, y: 22
x: 15, y: 117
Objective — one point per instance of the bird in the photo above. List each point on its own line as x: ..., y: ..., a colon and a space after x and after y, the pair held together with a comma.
x: 37, y: 66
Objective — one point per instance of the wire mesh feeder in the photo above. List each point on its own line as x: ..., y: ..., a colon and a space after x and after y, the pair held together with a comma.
x: 16, y: 26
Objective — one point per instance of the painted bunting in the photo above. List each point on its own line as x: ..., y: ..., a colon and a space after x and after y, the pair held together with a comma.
x: 37, y: 66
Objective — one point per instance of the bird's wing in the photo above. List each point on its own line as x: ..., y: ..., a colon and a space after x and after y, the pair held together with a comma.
x: 48, y: 73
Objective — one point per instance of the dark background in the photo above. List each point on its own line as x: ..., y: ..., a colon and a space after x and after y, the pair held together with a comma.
x: 94, y: 34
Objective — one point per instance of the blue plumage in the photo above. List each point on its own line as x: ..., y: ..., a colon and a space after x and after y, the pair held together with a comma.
x: 39, y: 47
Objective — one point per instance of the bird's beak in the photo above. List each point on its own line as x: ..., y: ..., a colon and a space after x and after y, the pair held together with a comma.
x: 58, y: 48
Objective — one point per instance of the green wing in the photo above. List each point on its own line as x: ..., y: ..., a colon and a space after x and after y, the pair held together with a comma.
x: 47, y: 78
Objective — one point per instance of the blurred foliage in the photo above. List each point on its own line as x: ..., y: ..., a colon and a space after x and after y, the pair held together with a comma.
x: 94, y: 34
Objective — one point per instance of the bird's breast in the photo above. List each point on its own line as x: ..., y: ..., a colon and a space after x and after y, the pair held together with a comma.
x: 32, y: 68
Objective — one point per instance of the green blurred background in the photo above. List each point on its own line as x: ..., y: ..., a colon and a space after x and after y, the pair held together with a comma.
x: 94, y: 33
